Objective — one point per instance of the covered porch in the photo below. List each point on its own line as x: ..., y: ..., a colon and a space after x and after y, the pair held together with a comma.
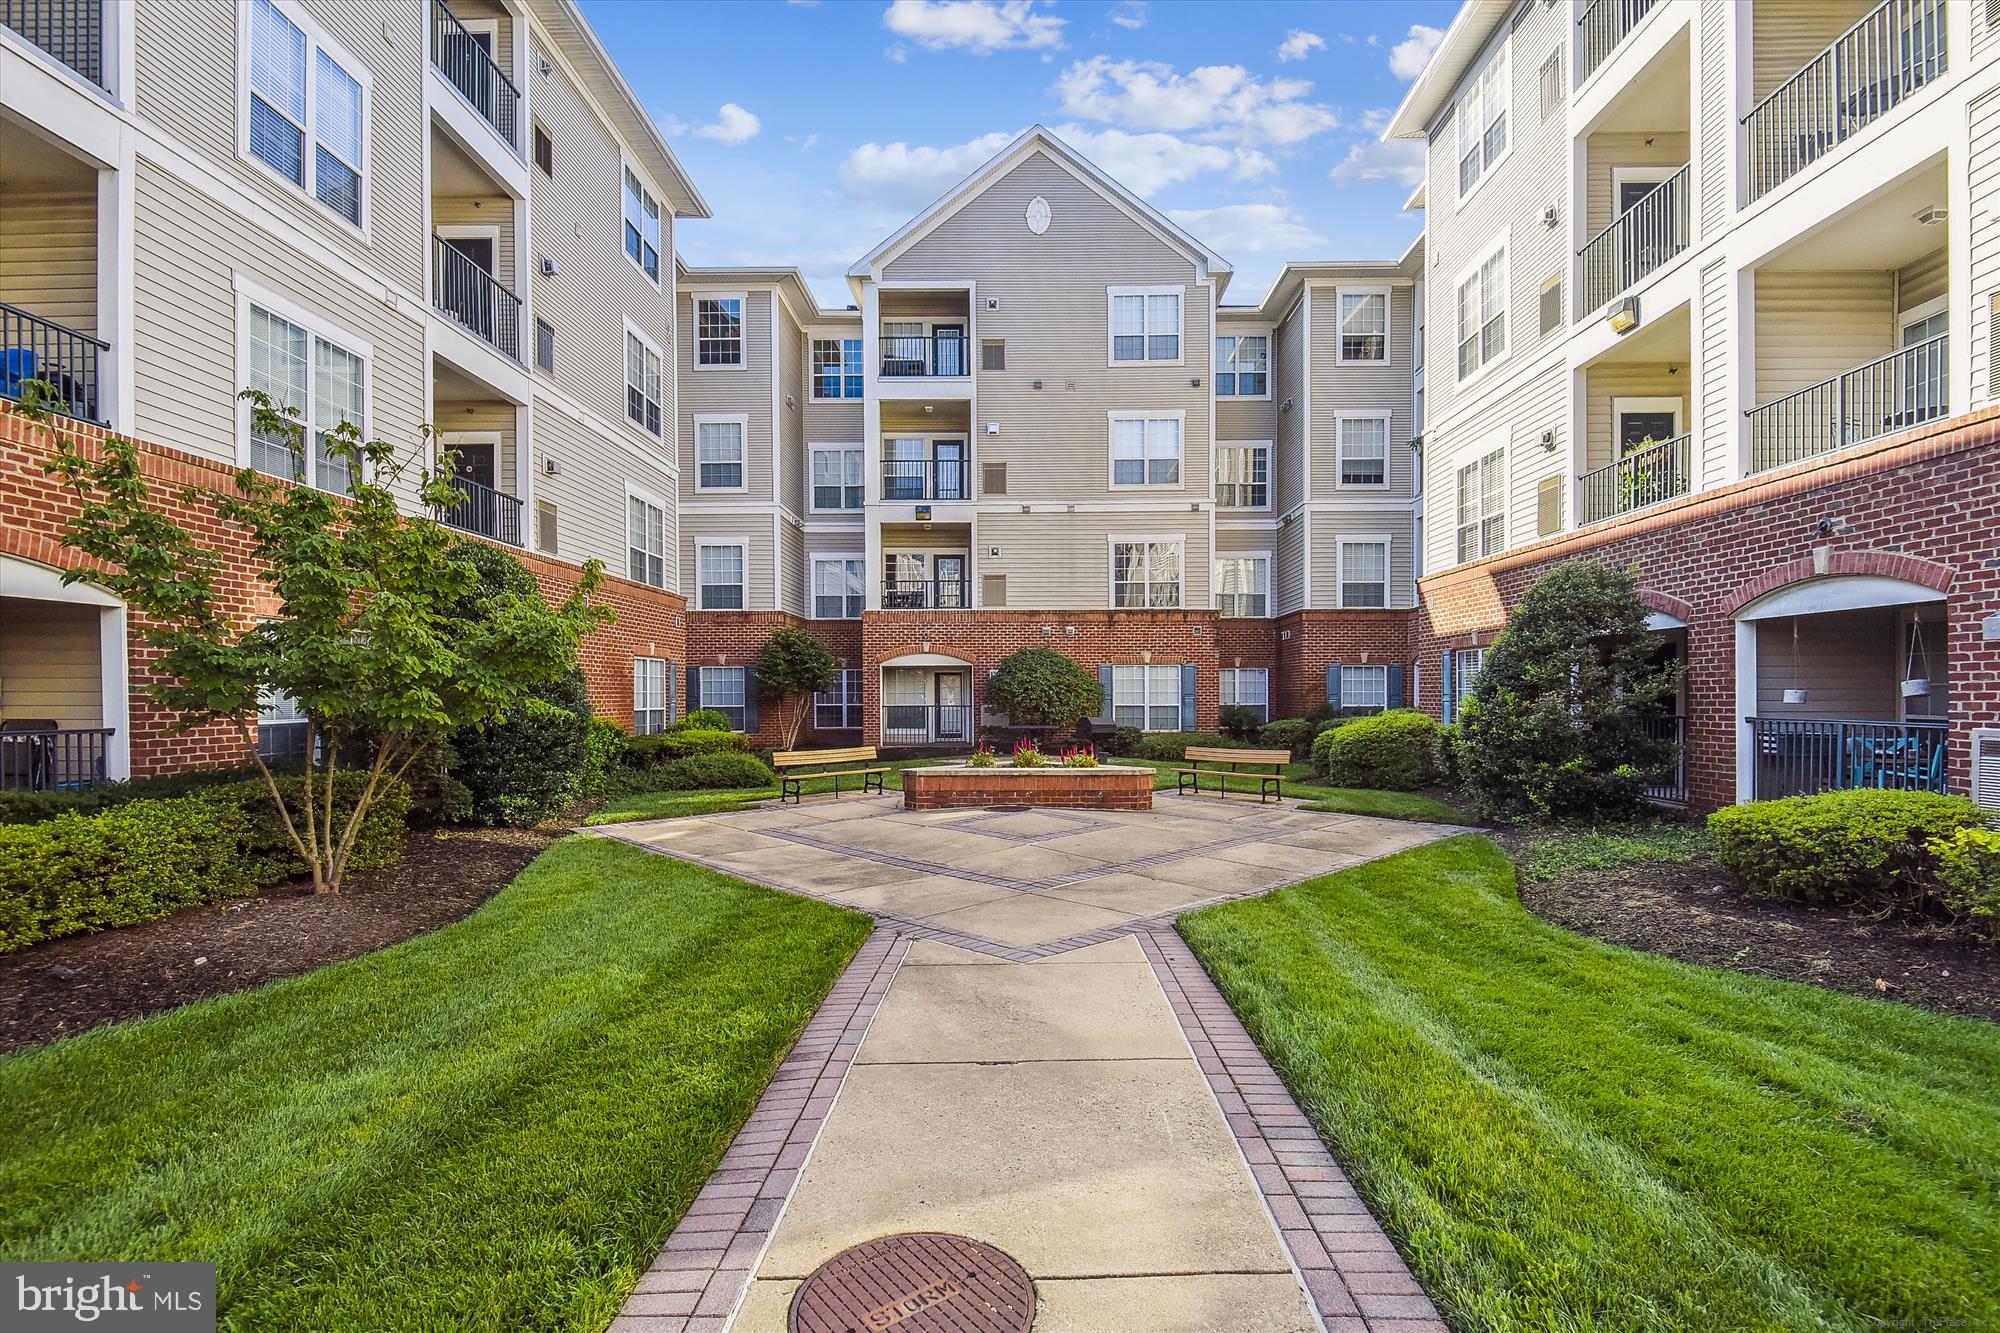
x: 927, y: 701
x: 63, y: 724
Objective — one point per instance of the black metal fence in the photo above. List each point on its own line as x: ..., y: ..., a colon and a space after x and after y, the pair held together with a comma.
x: 1644, y: 237
x: 483, y: 510
x: 1672, y: 784
x: 33, y: 348
x: 1891, y: 393
x: 469, y: 67
x: 926, y: 595
x: 910, y: 358
x: 472, y: 296
x: 1798, y: 756
x: 70, y: 30
x: 926, y: 724
x: 933, y: 478
x: 1602, y: 27
x: 1643, y: 477
x: 58, y: 759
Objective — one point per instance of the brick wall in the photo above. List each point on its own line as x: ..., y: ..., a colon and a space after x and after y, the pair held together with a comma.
x: 736, y: 638
x: 1311, y: 641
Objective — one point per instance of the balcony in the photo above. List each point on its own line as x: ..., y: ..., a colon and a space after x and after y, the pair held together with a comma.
x: 1891, y: 393
x: 932, y: 356
x: 465, y: 58
x: 926, y: 724
x: 1800, y: 756
x: 1643, y: 477
x: 70, y: 30
x: 33, y: 349
x: 474, y: 299
x: 926, y: 595
x: 938, y: 475
x: 1643, y: 238
x: 1605, y: 24
x: 1863, y: 75
x: 484, y: 511
x: 37, y: 755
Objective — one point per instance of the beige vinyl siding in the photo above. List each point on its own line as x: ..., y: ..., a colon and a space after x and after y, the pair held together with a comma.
x: 1721, y: 424
x: 1288, y: 592
x: 1061, y: 561
x: 49, y: 663
x: 1606, y: 384
x: 1985, y: 29
x: 48, y: 256
x: 726, y: 391
x: 791, y: 567
x: 1715, y: 76
x: 588, y: 490
x: 699, y: 526
x: 1920, y: 280
x: 494, y: 210
x: 1288, y: 370
x: 1606, y: 152
x: 1847, y: 662
x: 1538, y: 405
x: 1812, y: 326
x: 845, y: 539
x: 1984, y: 243
x: 1329, y: 526
x: 1252, y: 420
x: 1785, y: 34
x: 791, y: 434
x: 1340, y: 390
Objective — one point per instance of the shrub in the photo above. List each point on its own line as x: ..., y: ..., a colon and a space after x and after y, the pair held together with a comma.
x: 1081, y: 756
x: 29, y: 807
x: 1392, y: 751
x: 644, y: 751
x: 703, y: 719
x: 1171, y: 746
x: 793, y: 667
x: 701, y: 771
x: 1041, y: 687
x: 1029, y: 755
x: 982, y: 757
x: 1840, y: 844
x: 603, y: 751
x: 1968, y: 874
x: 524, y: 768
x: 1117, y: 740
x: 74, y: 873
x: 1240, y: 723
x: 268, y: 854
x: 1292, y: 733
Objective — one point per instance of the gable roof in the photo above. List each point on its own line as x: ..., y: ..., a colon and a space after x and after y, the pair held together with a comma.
x: 1036, y: 138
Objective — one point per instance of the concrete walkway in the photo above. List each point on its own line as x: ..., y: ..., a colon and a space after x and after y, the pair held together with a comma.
x: 1026, y: 1053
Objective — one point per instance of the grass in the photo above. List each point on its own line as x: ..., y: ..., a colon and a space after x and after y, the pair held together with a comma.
x: 492, y: 1126
x: 1556, y: 852
x: 1563, y: 1135
x: 1300, y: 783
x: 675, y: 804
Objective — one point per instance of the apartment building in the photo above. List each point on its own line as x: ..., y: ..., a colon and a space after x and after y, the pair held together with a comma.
x: 1721, y: 283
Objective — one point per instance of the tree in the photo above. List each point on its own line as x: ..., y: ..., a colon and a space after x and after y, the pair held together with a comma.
x: 1557, y: 722
x: 1041, y: 687
x: 365, y: 638
x: 795, y: 666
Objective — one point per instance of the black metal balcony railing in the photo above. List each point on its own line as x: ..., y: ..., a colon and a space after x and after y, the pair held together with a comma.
x: 1798, y: 756
x: 473, y: 297
x: 483, y: 510
x: 33, y: 348
x: 70, y: 30
x: 1644, y: 477
x: 1644, y: 237
x: 1862, y: 76
x: 926, y: 724
x: 1903, y: 389
x: 1671, y: 784
x: 54, y: 759
x: 908, y: 358
x: 1602, y: 27
x: 469, y: 67
x: 934, y: 478
x: 926, y: 595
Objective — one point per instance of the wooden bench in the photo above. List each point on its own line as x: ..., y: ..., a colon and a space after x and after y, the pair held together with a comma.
x: 793, y: 766
x: 1189, y: 779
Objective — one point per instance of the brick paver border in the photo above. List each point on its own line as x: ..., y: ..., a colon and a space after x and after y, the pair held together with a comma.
x: 1351, y: 1270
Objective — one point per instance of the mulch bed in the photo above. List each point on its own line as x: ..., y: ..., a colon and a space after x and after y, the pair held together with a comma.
x: 70, y: 985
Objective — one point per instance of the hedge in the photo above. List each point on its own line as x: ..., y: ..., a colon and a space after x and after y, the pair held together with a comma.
x: 1172, y: 746
x: 700, y: 771
x: 1392, y: 751
x: 1968, y: 873
x: 1840, y: 844
x: 267, y: 850
x: 645, y: 751
x: 1293, y: 733
x: 29, y: 807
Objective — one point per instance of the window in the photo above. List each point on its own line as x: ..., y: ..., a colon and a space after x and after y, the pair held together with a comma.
x: 1482, y: 522
x: 322, y: 382
x: 1364, y: 572
x: 646, y: 541
x: 1364, y: 326
x: 1364, y: 687
x: 545, y: 345
x: 839, y: 709
x: 837, y: 587
x: 1146, y: 573
x: 642, y: 383
x: 1246, y: 687
x: 836, y: 477
x: 836, y: 367
x: 719, y: 576
x: 1482, y: 121
x: 1552, y: 303
x: 649, y: 696
x: 1145, y: 451
x: 1465, y: 666
x: 722, y: 689
x: 1243, y: 585
x: 642, y: 226
x: 307, y: 112
x: 718, y: 454
x: 1145, y: 324
x: 1482, y: 314
x: 1243, y: 366
x: 1243, y: 476
x: 718, y: 331
x: 281, y: 726
x: 1146, y: 697
x: 1364, y: 451
x: 1552, y: 84
x: 545, y: 152
x: 992, y: 354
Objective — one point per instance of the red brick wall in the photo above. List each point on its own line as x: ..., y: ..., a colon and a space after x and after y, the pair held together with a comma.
x: 1311, y: 641
x: 735, y: 638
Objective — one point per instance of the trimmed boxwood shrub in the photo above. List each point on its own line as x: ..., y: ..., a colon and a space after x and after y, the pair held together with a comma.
x: 267, y: 850
x: 1171, y: 746
x: 1293, y: 733
x: 704, y: 719
x: 1392, y: 751
x: 647, y: 751
x: 700, y: 771
x: 29, y: 807
x: 1840, y: 844
x: 1968, y: 873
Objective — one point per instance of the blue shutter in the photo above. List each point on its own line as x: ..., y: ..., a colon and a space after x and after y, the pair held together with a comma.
x: 749, y: 701
x: 1396, y: 686
x: 1333, y: 688
x: 694, y: 687
x: 1447, y: 706
x: 1104, y: 683
x: 1188, y: 679
x: 673, y: 692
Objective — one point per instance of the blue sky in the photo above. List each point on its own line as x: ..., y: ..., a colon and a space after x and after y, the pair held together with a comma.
x: 816, y: 129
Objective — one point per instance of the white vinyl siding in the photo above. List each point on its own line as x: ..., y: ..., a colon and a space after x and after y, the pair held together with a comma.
x: 1146, y: 574
x: 1146, y: 697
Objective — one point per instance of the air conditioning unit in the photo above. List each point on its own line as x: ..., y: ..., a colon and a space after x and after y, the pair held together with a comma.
x: 1986, y: 768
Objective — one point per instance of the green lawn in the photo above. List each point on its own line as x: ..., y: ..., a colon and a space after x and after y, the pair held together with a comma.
x: 492, y: 1126
x: 1300, y: 783
x: 1564, y: 1135
x: 674, y: 804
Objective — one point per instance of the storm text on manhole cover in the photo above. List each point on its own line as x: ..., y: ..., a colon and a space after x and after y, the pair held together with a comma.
x: 923, y: 1282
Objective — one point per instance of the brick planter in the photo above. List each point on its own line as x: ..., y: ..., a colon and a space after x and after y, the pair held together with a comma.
x: 956, y: 785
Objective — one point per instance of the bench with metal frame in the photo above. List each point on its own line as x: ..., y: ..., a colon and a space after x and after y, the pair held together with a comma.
x: 1188, y: 779
x: 791, y: 784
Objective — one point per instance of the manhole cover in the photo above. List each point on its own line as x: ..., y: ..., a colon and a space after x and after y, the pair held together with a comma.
x: 1008, y: 809
x: 924, y: 1282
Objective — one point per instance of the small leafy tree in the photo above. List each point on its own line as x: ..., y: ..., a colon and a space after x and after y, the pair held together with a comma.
x: 364, y: 633
x: 1041, y: 687
x: 793, y: 667
x: 1556, y: 725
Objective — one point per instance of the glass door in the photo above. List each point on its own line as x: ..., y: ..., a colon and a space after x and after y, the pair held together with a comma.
x: 949, y: 589
x: 954, y: 714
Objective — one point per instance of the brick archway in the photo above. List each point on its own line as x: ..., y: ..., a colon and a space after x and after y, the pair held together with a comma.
x: 1667, y: 605
x: 1831, y: 564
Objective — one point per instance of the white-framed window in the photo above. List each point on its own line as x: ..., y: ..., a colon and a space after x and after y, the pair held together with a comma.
x: 1146, y: 697
x: 642, y: 226
x: 642, y: 382
x: 1466, y: 664
x: 319, y: 372
x: 1246, y: 687
x: 719, y: 580
x: 1145, y: 572
x: 1145, y: 325
x: 836, y: 476
x: 1243, y: 475
x: 1482, y: 120
x: 1364, y: 449
x: 1482, y: 506
x: 719, y: 463
x: 649, y: 695
x: 303, y: 107
x: 645, y: 539
x: 1243, y: 584
x: 839, y: 709
x: 1364, y: 324
x: 1364, y: 687
x: 1243, y: 366
x: 1482, y: 313
x: 1364, y: 571
x: 836, y: 368
x: 725, y: 689
x: 1145, y: 450
x: 838, y: 590
x: 281, y: 726
x: 718, y: 331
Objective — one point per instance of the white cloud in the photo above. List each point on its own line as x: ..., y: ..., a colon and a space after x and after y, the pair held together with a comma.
x: 1145, y: 164
x: 1400, y: 161
x: 978, y: 26
x: 1409, y: 56
x: 1215, y: 101
x: 1299, y: 44
x: 733, y: 125
x: 1130, y: 14
x: 896, y: 174
x: 1249, y: 228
